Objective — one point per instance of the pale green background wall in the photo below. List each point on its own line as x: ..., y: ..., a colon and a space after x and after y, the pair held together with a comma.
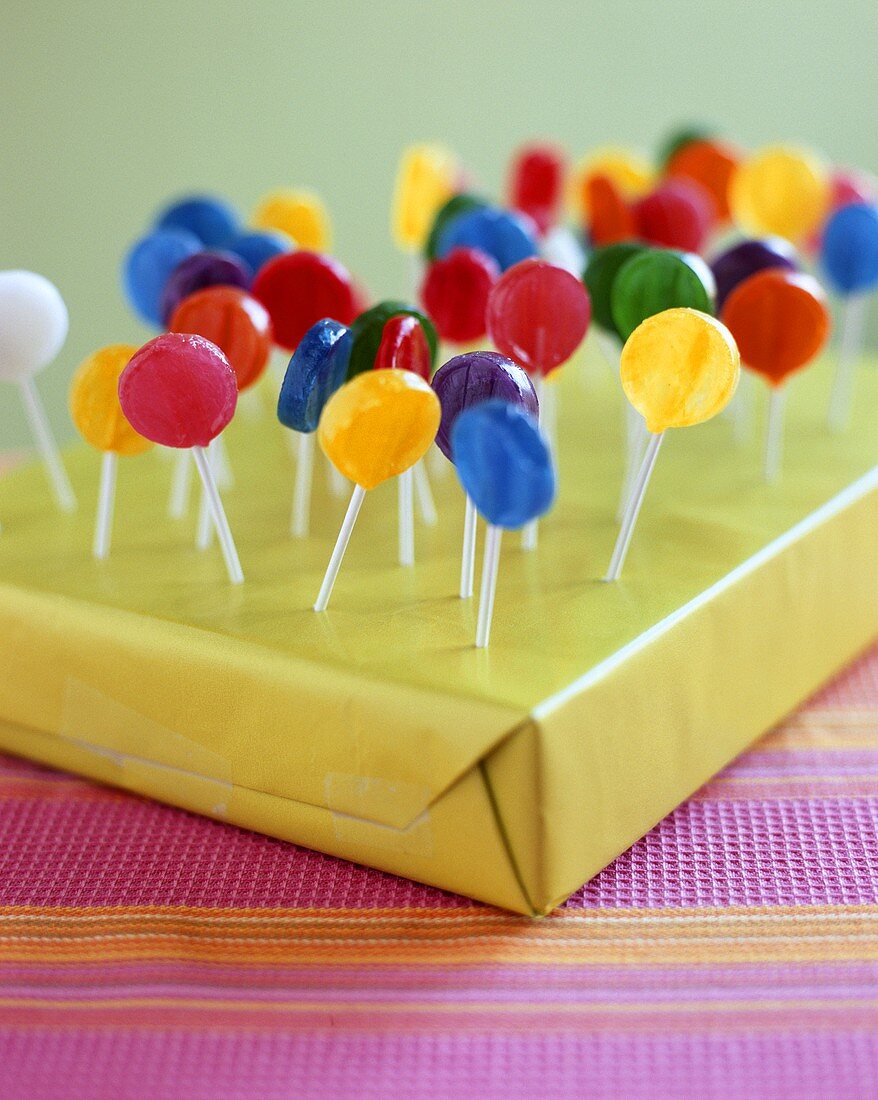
x: 108, y: 107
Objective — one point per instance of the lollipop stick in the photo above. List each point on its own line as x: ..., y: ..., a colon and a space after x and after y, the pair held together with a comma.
x: 468, y: 557
x: 300, y: 519
x: 341, y: 544
x: 406, y: 518
x: 48, y: 448
x: 438, y: 463
x: 338, y: 485
x: 530, y: 530
x: 850, y: 345
x: 181, y: 483
x: 227, y: 543
x: 635, y: 444
x: 106, y: 504
x: 424, y: 494
x: 221, y: 465
x: 774, y: 433
x: 632, y: 509
x: 204, y: 529
x: 490, y: 566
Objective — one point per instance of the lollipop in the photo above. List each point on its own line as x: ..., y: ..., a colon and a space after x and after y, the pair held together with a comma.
x: 368, y: 332
x: 677, y: 214
x: 33, y: 328
x: 678, y: 368
x: 505, y: 235
x: 679, y: 138
x: 744, y: 259
x: 536, y: 183
x: 147, y: 266
x: 98, y: 416
x: 780, y: 322
x: 424, y: 181
x: 506, y: 469
x: 781, y: 191
x: 299, y: 215
x: 849, y: 256
x: 301, y: 288
x: 203, y: 269
x: 212, y: 220
x: 317, y: 369
x: 632, y: 174
x: 230, y: 318
x: 610, y: 216
x: 255, y: 249
x: 654, y: 280
x: 374, y: 428
x: 600, y: 274
x: 447, y: 212
x: 463, y: 382
x: 455, y: 294
x: 179, y: 390
x: 709, y: 163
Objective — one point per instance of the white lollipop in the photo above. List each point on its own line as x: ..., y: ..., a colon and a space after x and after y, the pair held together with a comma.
x: 33, y: 327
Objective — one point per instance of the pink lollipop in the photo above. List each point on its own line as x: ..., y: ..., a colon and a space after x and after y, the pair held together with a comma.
x: 180, y: 391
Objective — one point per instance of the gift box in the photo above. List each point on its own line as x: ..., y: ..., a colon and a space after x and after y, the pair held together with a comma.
x: 377, y: 731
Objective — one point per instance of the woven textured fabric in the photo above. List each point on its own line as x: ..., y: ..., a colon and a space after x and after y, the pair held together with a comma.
x: 733, y: 951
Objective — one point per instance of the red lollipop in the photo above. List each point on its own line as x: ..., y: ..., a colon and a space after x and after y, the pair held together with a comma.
x: 536, y: 183
x: 404, y: 347
x: 234, y: 321
x: 678, y: 214
x: 455, y: 293
x: 301, y: 288
x: 538, y: 315
x: 610, y: 218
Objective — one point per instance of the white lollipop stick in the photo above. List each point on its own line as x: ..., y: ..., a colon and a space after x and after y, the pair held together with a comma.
x: 338, y: 483
x: 424, y: 495
x: 204, y: 528
x: 220, y: 522
x: 221, y: 465
x: 106, y: 506
x: 774, y: 433
x: 406, y: 518
x: 468, y: 556
x: 635, y: 444
x: 181, y: 484
x: 849, y: 350
x: 632, y: 509
x: 48, y: 448
x: 438, y: 463
x: 300, y: 518
x: 490, y: 568
x: 341, y: 544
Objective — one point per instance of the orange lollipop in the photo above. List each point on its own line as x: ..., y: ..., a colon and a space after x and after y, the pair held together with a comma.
x: 610, y: 217
x: 780, y: 322
x: 710, y: 163
x: 230, y: 318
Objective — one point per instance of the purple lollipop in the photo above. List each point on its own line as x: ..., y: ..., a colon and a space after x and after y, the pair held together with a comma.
x: 201, y: 270
x: 462, y: 383
x: 477, y: 376
x: 743, y: 260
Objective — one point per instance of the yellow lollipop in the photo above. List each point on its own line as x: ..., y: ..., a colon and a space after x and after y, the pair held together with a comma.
x: 377, y: 426
x: 98, y: 416
x: 782, y: 191
x: 301, y: 215
x: 424, y: 181
x: 629, y: 171
x: 678, y: 368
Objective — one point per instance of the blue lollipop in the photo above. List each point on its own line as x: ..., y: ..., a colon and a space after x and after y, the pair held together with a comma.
x: 147, y: 266
x: 506, y: 468
x: 213, y: 220
x: 849, y: 256
x: 318, y: 368
x: 257, y: 248
x: 506, y: 236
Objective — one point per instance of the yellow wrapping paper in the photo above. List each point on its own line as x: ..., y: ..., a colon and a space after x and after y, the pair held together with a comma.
x: 376, y: 731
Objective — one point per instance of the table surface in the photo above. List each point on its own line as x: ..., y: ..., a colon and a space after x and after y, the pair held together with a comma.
x: 145, y: 951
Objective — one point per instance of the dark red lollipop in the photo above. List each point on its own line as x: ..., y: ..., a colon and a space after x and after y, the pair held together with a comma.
x: 536, y: 183
x: 404, y: 347
x: 301, y: 288
x: 455, y: 293
x: 678, y: 214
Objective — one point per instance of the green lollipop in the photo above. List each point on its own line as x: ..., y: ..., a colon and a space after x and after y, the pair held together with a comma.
x: 368, y: 328
x: 656, y: 280
x: 600, y: 274
x: 456, y: 205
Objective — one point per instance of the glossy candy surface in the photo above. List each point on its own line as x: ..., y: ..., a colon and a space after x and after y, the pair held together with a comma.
x: 230, y: 318
x: 655, y: 280
x: 301, y: 288
x: 455, y: 293
x: 300, y: 215
x: 742, y: 260
x: 368, y: 330
x: 711, y: 164
x: 202, y: 270
x: 849, y: 251
x: 474, y: 377
x: 610, y: 216
x: 318, y: 368
x: 378, y: 425
x: 404, y: 347
x: 677, y: 214
x: 538, y: 315
x: 178, y: 390
x: 94, y: 402
x: 780, y: 322
x: 781, y: 191
x: 33, y: 324
x: 600, y: 274
x: 679, y: 368
x: 212, y: 220
x: 424, y: 181
x: 257, y: 248
x: 536, y: 183
x: 147, y: 267
x: 503, y: 463
x: 505, y: 235
x: 447, y: 212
